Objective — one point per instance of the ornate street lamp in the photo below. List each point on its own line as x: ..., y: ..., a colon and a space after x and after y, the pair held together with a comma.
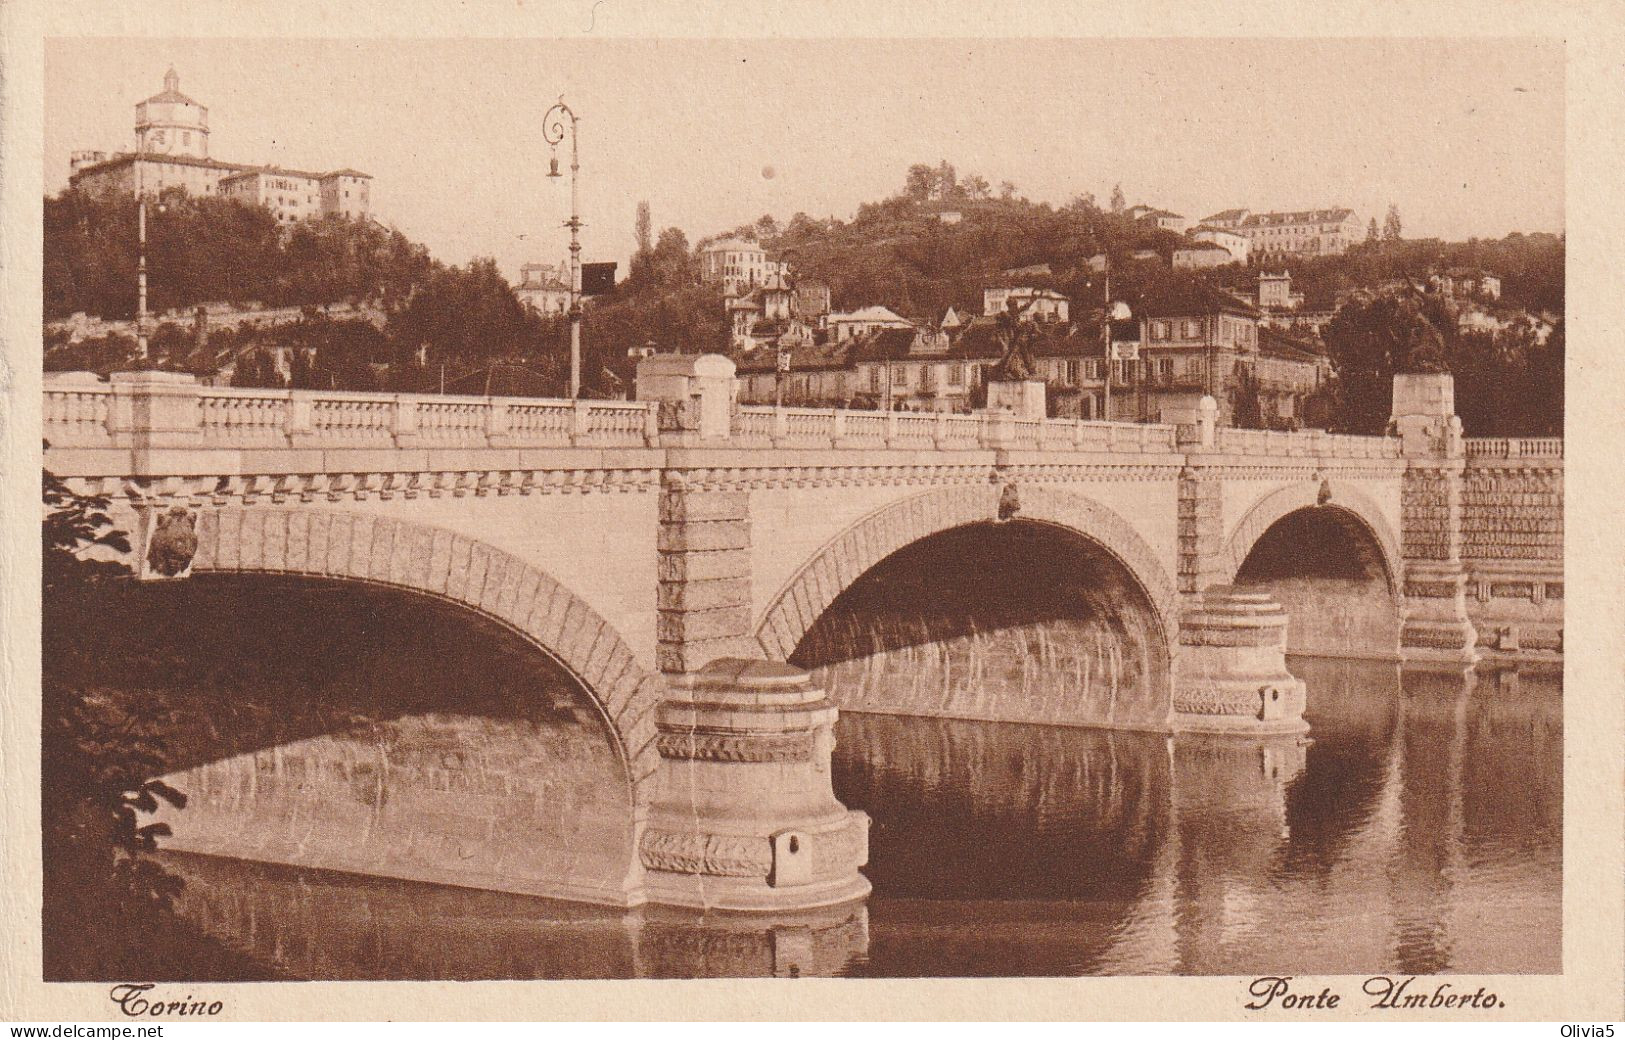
x: 141, y: 243
x: 553, y: 129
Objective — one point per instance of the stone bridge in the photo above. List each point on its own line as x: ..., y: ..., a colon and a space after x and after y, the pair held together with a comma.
x: 719, y: 580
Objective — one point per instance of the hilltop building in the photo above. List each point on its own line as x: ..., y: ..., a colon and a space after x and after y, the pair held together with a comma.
x: 172, y: 151
x: 1314, y: 232
x: 544, y: 288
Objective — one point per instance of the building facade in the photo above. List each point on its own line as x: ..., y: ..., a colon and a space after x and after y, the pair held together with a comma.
x: 738, y: 266
x: 1233, y: 242
x: 1042, y: 305
x: 172, y: 151
x: 1313, y: 232
x: 544, y: 288
x: 1199, y: 255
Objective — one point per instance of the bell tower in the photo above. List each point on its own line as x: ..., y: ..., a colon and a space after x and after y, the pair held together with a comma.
x: 170, y: 123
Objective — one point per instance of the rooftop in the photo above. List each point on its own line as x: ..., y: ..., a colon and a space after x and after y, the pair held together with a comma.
x: 1306, y: 216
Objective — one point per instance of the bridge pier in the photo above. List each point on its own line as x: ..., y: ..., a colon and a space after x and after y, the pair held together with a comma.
x: 743, y: 814
x: 1230, y: 673
x: 1435, y: 628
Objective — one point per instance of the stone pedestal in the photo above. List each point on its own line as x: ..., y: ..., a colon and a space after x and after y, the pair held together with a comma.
x: 744, y: 816
x: 696, y: 394
x: 1230, y: 673
x: 1023, y: 399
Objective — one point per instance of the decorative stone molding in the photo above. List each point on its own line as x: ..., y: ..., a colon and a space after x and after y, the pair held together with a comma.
x: 1345, y: 499
x: 432, y: 561
x: 277, y: 488
x: 715, y: 855
x: 732, y: 747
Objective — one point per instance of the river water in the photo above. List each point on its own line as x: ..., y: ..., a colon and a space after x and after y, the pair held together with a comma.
x: 1418, y: 830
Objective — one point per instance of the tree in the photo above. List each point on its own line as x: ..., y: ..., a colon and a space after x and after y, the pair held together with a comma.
x: 643, y: 230
x: 1007, y: 190
x: 1118, y: 202
x: 947, y: 183
x: 920, y: 182
x: 1391, y: 226
x: 1370, y: 340
x: 977, y: 187
x: 1371, y: 230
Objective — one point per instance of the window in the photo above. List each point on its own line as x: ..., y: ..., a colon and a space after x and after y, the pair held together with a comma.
x: 899, y: 375
x: 1159, y: 330
x: 956, y: 375
x: 874, y: 379
x: 1193, y: 329
x: 1072, y: 373
x: 1165, y: 369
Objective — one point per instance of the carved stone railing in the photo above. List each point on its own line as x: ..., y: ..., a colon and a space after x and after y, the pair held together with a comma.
x: 1513, y: 447
x: 182, y: 415
x: 1233, y: 440
x: 765, y: 426
x: 179, y: 414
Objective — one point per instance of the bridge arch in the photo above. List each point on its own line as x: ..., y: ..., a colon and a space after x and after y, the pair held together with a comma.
x: 435, y: 562
x: 1341, y: 500
x: 847, y: 557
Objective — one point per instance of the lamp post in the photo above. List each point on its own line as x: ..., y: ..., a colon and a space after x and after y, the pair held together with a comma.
x: 141, y: 245
x: 1118, y: 311
x: 553, y: 129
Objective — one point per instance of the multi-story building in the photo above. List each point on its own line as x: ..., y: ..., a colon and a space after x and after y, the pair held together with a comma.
x: 172, y: 151
x: 544, y: 288
x: 1160, y: 218
x: 1313, y: 232
x: 1197, y: 255
x: 1232, y: 241
x: 1037, y: 304
x: 851, y: 324
x: 738, y: 266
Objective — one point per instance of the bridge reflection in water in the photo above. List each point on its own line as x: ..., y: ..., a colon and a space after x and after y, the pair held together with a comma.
x: 1419, y: 832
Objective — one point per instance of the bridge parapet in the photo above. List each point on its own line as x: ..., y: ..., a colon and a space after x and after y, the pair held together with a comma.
x: 1304, y: 444
x: 1513, y: 447
x: 825, y: 428
x: 127, y: 413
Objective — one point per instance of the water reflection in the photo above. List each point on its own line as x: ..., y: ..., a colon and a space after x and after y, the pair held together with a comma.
x: 1419, y: 831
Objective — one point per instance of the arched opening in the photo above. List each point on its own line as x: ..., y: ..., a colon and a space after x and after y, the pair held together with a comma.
x: 1024, y: 621
x: 1324, y: 565
x: 340, y: 725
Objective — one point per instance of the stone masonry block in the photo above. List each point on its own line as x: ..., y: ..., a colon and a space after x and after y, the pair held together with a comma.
x: 619, y: 692
x: 457, y: 570
x: 517, y: 611
x: 420, y: 554
x: 700, y: 566
x: 251, y: 539
x: 208, y: 541
x: 692, y: 654
x: 439, y: 561
x: 479, y: 557
x: 704, y: 536
x: 704, y: 595
x: 549, y: 630
x: 274, y: 546
x: 298, y: 555
x: 679, y: 625
x: 337, y: 536
x: 360, y: 555
x: 592, y: 673
x: 686, y: 506
x: 383, y: 548
x: 400, y: 554
x: 496, y: 573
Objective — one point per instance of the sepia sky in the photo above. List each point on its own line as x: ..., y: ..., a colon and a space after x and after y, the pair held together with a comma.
x: 1465, y: 136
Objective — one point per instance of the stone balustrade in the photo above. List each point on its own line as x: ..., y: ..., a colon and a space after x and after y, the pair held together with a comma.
x: 86, y: 414
x: 1513, y: 447
x: 1235, y: 441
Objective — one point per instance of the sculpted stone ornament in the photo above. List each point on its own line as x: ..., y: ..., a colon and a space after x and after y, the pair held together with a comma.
x: 173, y: 542
x: 1324, y: 495
x: 1009, y: 502
x: 1016, y: 336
